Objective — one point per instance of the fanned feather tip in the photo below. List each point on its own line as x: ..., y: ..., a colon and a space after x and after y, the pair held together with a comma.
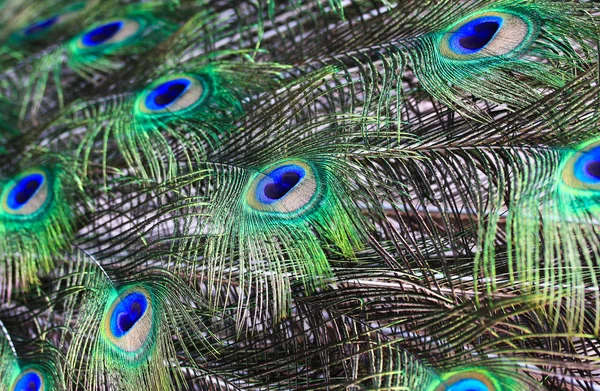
x: 299, y: 195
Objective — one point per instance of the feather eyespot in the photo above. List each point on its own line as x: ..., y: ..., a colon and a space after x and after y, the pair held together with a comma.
x: 468, y: 385
x: 29, y: 380
x: 288, y: 188
x: 38, y: 28
x: 581, y: 170
x: 468, y: 381
x: 173, y: 94
x: 111, y: 33
x: 128, y: 323
x: 27, y: 194
x: 488, y: 35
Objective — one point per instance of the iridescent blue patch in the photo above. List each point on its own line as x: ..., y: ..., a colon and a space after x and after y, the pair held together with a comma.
x: 40, y: 26
x: 278, y: 183
x: 587, y: 167
x: 127, y: 312
x: 24, y: 190
x: 101, y: 34
x: 30, y: 381
x: 468, y: 385
x: 166, y: 94
x: 475, y: 35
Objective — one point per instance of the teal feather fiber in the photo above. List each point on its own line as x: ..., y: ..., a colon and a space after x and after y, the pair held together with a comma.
x: 299, y: 195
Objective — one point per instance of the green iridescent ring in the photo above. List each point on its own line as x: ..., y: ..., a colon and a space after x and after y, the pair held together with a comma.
x: 28, y: 194
x: 173, y: 94
x: 289, y: 188
x: 488, y: 35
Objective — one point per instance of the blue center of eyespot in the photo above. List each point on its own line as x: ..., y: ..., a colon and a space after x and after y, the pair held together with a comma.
x: 587, y: 167
x: 468, y: 385
x: 101, y: 34
x: 40, y: 26
x: 127, y: 312
x: 31, y: 381
x: 473, y: 36
x: 279, y: 182
x: 593, y: 169
x: 24, y: 190
x: 167, y: 93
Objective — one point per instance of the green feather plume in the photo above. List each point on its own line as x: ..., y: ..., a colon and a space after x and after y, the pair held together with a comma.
x: 104, y: 45
x: 304, y: 195
x: 37, y: 369
x: 524, y: 50
x: 41, y: 199
x: 209, y: 95
x: 127, y: 330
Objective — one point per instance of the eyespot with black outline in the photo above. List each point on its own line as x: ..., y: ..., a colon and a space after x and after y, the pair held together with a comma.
x: 29, y: 380
x: 28, y: 194
x: 129, y: 321
x: 288, y: 189
x: 174, y: 93
x: 488, y: 35
x: 581, y: 171
x: 39, y: 28
x: 111, y: 33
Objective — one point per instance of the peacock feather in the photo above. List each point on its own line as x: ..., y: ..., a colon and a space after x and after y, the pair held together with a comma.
x: 36, y: 369
x: 509, y: 52
x: 128, y: 329
x: 41, y: 201
x: 87, y: 53
x: 155, y: 114
x: 286, y: 195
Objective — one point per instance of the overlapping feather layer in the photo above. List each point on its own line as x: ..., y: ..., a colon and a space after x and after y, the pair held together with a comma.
x: 299, y: 195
